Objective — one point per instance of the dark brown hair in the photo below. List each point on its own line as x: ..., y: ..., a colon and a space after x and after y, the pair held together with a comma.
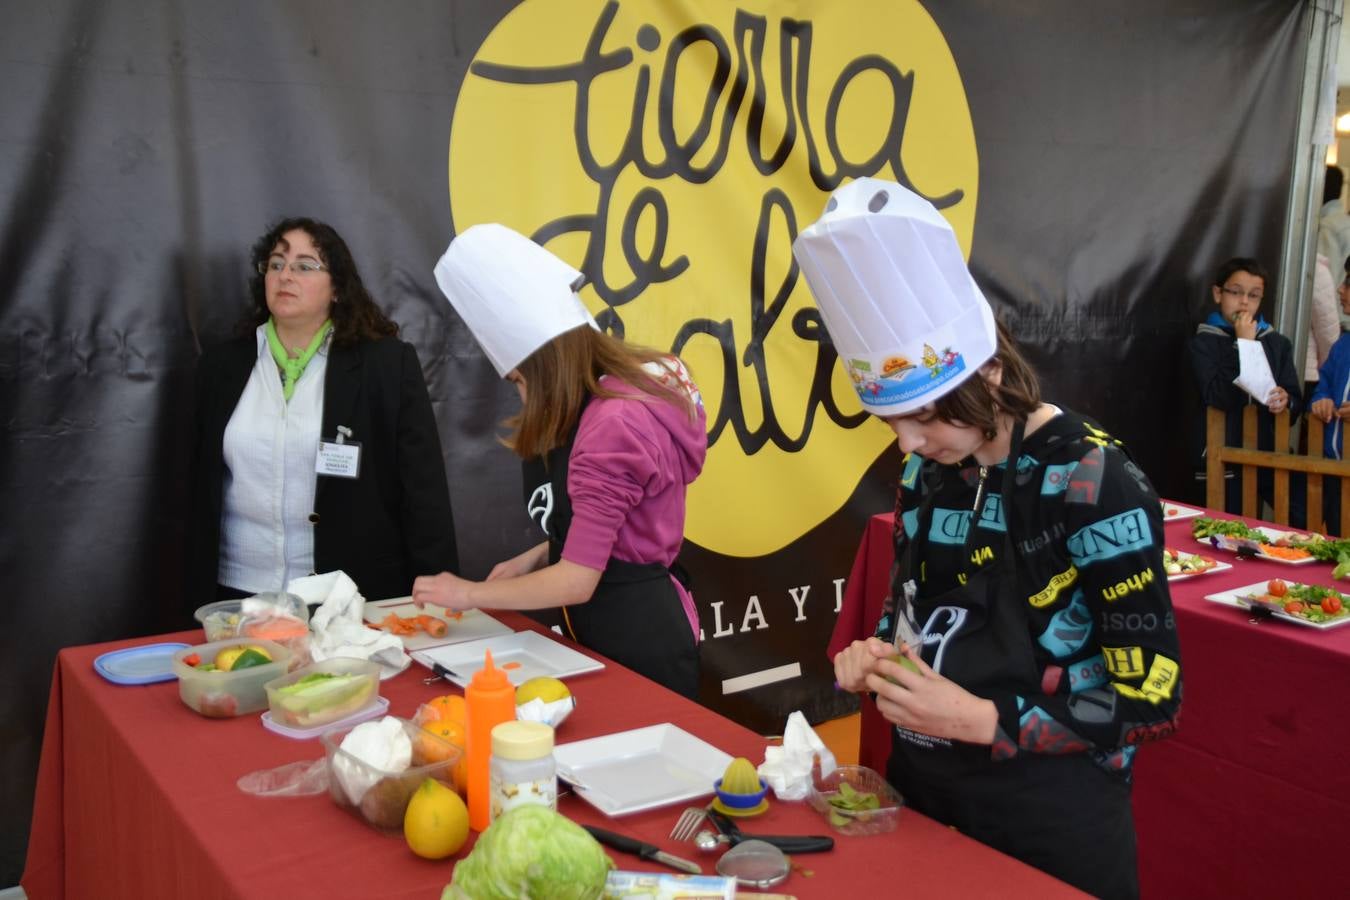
x: 561, y: 374
x: 354, y: 313
x: 978, y: 403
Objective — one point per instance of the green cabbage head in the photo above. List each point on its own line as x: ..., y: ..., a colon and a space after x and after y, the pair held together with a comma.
x: 531, y: 853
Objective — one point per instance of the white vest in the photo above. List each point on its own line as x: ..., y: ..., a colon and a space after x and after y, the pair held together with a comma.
x: 266, y: 538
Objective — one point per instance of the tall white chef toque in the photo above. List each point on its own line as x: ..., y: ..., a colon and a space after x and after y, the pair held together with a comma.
x: 514, y: 295
x: 908, y: 321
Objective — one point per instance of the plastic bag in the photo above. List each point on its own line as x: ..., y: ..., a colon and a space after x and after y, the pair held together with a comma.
x: 297, y: 779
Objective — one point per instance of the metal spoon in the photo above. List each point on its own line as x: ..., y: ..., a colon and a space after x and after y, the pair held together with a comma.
x: 708, y: 841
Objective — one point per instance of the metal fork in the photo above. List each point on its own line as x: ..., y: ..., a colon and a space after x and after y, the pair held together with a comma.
x: 688, y: 824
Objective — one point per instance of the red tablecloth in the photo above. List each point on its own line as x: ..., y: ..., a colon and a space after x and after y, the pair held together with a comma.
x: 136, y: 798
x: 1258, y: 757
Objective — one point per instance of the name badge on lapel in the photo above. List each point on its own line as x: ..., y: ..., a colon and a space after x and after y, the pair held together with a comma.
x: 340, y: 458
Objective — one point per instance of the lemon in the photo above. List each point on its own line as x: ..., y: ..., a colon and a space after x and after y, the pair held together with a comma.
x: 740, y: 777
x: 541, y: 688
x: 226, y: 659
x: 436, y: 822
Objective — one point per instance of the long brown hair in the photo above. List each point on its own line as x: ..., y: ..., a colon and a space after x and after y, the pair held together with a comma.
x: 561, y: 374
x: 354, y: 313
x: 976, y: 402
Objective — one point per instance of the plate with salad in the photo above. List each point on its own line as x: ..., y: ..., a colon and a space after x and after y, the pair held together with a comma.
x: 1303, y: 604
x: 1180, y: 565
x: 1236, y: 536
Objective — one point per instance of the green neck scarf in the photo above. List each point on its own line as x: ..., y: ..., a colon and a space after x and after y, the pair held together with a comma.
x: 292, y: 367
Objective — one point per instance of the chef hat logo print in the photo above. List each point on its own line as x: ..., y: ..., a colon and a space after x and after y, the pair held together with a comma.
x: 654, y: 147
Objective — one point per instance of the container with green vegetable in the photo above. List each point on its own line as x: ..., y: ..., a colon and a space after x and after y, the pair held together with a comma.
x: 855, y: 800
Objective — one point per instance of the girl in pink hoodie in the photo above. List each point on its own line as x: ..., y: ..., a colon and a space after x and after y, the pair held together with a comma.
x: 610, y: 436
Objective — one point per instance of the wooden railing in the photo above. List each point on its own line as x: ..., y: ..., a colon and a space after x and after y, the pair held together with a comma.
x: 1217, y: 453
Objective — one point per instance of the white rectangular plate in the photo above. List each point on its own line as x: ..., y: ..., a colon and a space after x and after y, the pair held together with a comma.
x: 472, y: 626
x: 1218, y: 567
x: 1234, y: 599
x: 522, y: 655
x: 1233, y: 545
x: 1175, y: 512
x: 640, y: 769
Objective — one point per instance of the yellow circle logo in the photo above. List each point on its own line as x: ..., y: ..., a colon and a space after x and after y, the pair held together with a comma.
x: 673, y: 152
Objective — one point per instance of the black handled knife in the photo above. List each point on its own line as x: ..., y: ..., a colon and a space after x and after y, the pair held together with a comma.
x: 643, y: 850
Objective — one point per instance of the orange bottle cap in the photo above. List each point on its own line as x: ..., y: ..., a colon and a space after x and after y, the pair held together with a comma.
x: 489, y: 677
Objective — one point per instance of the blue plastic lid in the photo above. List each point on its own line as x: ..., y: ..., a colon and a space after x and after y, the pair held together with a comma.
x: 146, y: 664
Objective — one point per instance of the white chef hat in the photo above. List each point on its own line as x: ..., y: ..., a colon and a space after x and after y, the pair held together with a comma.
x: 909, y: 322
x: 514, y: 295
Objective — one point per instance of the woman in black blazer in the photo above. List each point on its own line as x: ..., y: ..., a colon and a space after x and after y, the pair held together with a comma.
x: 315, y: 445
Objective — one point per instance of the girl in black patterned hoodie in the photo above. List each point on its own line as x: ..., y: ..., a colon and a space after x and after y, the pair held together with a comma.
x: 1029, y: 601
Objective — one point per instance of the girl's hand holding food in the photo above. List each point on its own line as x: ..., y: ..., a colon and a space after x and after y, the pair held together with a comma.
x: 913, y: 696
x: 855, y: 662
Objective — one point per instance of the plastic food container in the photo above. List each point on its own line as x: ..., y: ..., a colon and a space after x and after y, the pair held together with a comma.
x: 323, y: 692
x: 855, y: 821
x: 220, y: 695
x: 380, y: 797
x: 226, y: 618
x: 282, y: 618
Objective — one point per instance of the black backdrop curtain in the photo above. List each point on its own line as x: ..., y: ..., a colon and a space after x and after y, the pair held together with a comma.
x: 1124, y: 150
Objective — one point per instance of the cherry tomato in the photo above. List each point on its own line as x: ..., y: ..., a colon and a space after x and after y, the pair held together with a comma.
x: 1331, y: 605
x: 192, y: 659
x: 1277, y: 587
x: 1294, y: 606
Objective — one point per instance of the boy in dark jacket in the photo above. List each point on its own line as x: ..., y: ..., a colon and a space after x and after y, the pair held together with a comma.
x: 1235, y: 344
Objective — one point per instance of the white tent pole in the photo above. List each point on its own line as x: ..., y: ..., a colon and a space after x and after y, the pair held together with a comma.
x: 1299, y: 253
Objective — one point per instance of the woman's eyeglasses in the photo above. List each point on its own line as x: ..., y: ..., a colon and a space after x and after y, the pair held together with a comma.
x: 276, y: 264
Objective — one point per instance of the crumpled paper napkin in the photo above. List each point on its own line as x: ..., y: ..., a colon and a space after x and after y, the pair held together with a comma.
x: 338, y: 625
x: 551, y: 714
x: 787, y: 769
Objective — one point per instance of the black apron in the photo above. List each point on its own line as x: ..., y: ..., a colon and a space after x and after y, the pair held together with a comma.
x: 1060, y: 813
x: 635, y: 616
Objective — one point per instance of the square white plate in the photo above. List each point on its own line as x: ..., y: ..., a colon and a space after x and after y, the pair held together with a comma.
x: 1175, y: 512
x: 640, y: 769
x: 472, y: 625
x: 1234, y: 545
x: 522, y: 655
x: 1234, y: 599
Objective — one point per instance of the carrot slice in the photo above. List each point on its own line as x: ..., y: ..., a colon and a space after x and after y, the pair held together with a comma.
x: 396, y: 624
x: 432, y: 625
x: 1284, y: 552
x: 511, y: 665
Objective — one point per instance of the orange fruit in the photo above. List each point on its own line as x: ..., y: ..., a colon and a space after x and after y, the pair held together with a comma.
x: 448, y: 706
x: 433, y: 751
